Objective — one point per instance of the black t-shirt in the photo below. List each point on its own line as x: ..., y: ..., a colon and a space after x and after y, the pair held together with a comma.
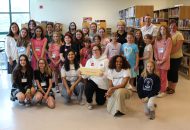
x: 122, y: 38
x: 22, y: 80
x: 64, y: 49
x: 42, y: 77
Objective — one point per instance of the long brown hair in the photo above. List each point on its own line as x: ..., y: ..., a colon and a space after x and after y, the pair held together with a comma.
x: 23, y: 41
x: 47, y: 70
x: 159, y: 36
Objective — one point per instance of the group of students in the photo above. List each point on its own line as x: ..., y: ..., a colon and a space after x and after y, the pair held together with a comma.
x: 126, y: 59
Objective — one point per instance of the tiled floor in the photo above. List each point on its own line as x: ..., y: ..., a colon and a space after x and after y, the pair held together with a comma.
x: 173, y: 113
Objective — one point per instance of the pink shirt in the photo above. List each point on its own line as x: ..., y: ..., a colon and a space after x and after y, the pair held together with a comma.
x: 54, y: 49
x: 162, y: 50
x: 85, y: 53
x: 38, y: 45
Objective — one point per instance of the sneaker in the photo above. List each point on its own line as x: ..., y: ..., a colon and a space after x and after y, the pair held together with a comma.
x: 27, y: 103
x: 152, y: 115
x: 89, y: 105
x: 21, y: 103
x: 118, y: 114
x: 162, y: 94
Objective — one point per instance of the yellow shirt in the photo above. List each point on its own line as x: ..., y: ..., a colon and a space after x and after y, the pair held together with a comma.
x: 176, y: 37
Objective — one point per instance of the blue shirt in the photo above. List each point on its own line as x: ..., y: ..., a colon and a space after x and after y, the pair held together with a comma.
x: 130, y: 50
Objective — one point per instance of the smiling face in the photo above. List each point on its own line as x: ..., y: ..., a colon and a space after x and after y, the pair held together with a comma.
x: 130, y: 39
x: 67, y: 39
x: 163, y: 31
x: 49, y: 28
x: 78, y: 35
x: 138, y: 35
x: 101, y: 32
x: 41, y: 64
x: 71, y: 56
x: 14, y: 29
x: 119, y: 63
x: 96, y: 52
x: 24, y: 33
x: 56, y: 37
x: 147, y: 20
x: 22, y: 61
x: 38, y: 32
x: 150, y: 67
x: 32, y: 25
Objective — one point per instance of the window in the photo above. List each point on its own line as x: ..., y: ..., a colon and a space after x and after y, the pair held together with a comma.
x: 13, y: 11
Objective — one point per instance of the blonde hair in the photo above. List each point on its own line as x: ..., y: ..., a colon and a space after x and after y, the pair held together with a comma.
x: 145, y: 72
x: 47, y: 70
x: 121, y: 22
x: 59, y: 34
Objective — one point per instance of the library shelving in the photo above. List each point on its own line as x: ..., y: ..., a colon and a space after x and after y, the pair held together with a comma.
x: 133, y: 15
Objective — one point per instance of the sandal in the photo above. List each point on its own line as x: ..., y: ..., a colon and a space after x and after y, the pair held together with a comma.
x: 170, y: 91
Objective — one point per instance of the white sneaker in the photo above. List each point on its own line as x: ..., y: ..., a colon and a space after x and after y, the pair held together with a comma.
x: 89, y: 105
x: 162, y: 94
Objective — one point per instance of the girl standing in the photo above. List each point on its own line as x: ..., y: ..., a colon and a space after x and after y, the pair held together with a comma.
x: 130, y: 51
x: 11, y: 46
x: 23, y: 44
x: 148, y: 87
x: 148, y: 50
x: 96, y: 41
x: 162, y: 50
x: 54, y: 57
x: 65, y: 47
x: 113, y: 48
x: 31, y: 28
x: 43, y: 79
x: 140, y: 43
x: 22, y: 88
x: 85, y: 52
x: 38, y: 46
x: 118, y: 77
x: 104, y: 39
x: 71, y: 78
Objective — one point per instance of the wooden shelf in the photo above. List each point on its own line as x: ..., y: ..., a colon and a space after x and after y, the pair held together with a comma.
x: 187, y: 54
x: 185, y: 66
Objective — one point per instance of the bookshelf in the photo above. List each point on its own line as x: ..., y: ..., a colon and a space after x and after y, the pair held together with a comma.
x: 133, y: 15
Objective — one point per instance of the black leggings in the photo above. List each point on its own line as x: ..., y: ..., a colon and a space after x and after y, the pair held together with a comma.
x: 173, y: 71
x: 92, y: 87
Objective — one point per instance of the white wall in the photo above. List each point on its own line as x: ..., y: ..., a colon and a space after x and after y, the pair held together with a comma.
x: 66, y: 11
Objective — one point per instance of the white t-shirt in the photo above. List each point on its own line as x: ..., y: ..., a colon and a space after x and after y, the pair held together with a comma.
x: 152, y: 30
x: 71, y: 75
x: 117, y: 77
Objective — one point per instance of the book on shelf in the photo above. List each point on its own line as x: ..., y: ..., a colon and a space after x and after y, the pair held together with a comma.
x: 130, y: 12
x: 173, y: 12
x: 184, y: 24
x: 186, y: 35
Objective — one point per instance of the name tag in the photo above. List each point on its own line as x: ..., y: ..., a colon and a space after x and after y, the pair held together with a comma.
x: 53, y: 55
x: 37, y: 49
x: 23, y: 80
x: 43, y: 84
x: 160, y: 50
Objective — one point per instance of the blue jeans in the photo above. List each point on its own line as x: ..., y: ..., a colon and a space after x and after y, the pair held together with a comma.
x: 78, y: 91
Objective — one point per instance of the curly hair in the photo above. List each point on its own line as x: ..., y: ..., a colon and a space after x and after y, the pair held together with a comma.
x: 67, y: 62
x: 112, y: 62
